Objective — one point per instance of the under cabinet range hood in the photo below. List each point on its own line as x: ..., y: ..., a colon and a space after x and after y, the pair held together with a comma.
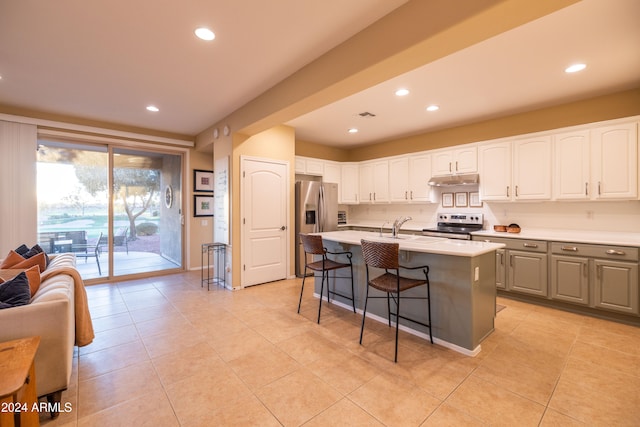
x: 451, y: 180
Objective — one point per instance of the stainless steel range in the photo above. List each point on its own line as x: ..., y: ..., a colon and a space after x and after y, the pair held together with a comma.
x: 455, y: 225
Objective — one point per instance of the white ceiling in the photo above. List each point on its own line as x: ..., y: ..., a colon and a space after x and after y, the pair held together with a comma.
x: 107, y: 60
x: 520, y: 70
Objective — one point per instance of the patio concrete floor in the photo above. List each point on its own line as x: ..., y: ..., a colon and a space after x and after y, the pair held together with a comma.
x: 124, y: 264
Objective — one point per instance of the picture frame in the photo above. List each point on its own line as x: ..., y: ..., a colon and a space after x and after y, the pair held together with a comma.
x: 203, y: 180
x: 447, y: 200
x: 202, y: 205
x: 474, y: 200
x: 462, y: 200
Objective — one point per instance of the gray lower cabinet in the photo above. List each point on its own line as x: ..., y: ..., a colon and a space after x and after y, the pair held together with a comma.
x: 596, y: 276
x: 604, y: 277
x: 616, y: 286
x: 527, y: 272
x: 521, y: 266
x: 570, y: 279
x: 501, y: 269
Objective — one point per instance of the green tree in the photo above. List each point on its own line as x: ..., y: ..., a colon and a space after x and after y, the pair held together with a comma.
x: 134, y: 187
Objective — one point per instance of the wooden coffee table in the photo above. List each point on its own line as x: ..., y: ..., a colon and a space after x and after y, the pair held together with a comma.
x: 18, y: 399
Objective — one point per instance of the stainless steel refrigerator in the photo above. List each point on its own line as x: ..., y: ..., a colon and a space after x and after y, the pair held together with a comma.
x: 316, y: 211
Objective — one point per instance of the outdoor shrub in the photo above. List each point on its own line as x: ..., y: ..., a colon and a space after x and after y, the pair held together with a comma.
x: 146, y: 229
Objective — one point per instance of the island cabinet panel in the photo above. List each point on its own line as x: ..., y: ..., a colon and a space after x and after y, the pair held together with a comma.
x: 463, y: 292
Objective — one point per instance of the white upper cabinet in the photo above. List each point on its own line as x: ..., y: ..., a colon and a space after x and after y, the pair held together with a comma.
x: 399, y: 180
x: 458, y: 161
x: 309, y: 166
x: 332, y: 172
x: 349, y: 183
x: 374, y: 181
x: 494, y: 161
x: 614, y: 161
x: 419, y: 175
x: 571, y: 178
x: 532, y: 168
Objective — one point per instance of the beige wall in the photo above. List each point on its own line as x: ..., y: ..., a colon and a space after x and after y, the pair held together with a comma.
x: 200, y: 229
x: 276, y: 143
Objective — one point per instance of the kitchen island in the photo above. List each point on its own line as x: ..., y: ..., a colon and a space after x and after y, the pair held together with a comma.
x: 463, y: 286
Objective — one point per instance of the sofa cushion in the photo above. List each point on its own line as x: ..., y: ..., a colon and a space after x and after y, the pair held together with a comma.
x: 22, y: 249
x: 15, y: 292
x: 38, y: 260
x: 12, y: 259
x: 35, y: 250
x: 33, y: 276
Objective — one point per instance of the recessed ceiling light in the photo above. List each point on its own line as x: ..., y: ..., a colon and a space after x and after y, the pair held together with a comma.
x: 433, y: 108
x: 353, y: 130
x: 575, y: 68
x: 402, y: 92
x: 205, y: 33
x: 153, y: 108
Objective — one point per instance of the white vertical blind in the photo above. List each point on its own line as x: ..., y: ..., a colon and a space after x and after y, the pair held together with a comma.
x: 18, y: 197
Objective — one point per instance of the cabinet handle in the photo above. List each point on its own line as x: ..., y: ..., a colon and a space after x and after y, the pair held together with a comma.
x: 598, y: 271
x: 570, y: 248
x: 516, y: 191
x: 450, y: 167
x: 411, y: 194
x: 530, y: 245
x: 614, y: 252
x: 507, y: 191
x: 501, y: 258
x: 586, y: 188
x: 456, y: 166
x: 599, y: 189
x: 405, y: 195
x: 374, y: 197
x: 510, y: 260
x: 369, y: 196
x: 584, y: 269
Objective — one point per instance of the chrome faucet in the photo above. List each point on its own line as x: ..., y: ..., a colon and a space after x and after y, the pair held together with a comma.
x: 397, y: 224
x: 381, y: 227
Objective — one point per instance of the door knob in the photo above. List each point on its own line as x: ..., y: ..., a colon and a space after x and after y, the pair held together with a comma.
x: 283, y: 228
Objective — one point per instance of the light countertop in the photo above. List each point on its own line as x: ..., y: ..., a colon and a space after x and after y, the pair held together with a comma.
x: 617, y: 238
x: 411, y: 243
x: 575, y: 236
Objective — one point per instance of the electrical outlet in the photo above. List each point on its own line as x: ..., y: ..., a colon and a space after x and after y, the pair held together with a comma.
x: 477, y: 273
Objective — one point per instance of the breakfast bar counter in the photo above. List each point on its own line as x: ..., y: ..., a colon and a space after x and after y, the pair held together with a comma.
x: 463, y: 285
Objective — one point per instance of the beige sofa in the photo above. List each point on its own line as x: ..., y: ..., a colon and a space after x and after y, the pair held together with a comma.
x: 49, y: 315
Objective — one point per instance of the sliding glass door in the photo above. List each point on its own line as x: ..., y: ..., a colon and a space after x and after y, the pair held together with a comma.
x: 118, y: 210
x: 147, y: 211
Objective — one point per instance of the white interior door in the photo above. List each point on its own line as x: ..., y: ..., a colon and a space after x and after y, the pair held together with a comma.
x: 265, y: 201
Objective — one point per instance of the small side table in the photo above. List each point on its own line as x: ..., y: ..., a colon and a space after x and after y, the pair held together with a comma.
x: 18, y: 383
x: 219, y: 252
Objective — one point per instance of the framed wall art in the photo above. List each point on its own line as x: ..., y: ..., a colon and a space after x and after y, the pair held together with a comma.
x: 202, y: 180
x: 447, y: 200
x: 461, y: 200
x: 202, y: 205
x: 474, y: 200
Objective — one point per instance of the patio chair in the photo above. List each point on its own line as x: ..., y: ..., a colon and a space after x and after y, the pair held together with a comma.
x: 89, y: 251
x: 120, y: 239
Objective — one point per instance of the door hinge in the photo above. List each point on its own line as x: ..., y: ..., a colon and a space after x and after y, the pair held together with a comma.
x: 243, y: 174
x: 244, y: 267
x: 243, y: 221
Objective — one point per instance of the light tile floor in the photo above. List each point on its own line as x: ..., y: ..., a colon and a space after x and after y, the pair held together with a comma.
x: 169, y: 353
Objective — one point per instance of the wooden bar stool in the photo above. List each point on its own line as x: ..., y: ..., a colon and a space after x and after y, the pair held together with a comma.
x: 313, y: 246
x: 385, y: 256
